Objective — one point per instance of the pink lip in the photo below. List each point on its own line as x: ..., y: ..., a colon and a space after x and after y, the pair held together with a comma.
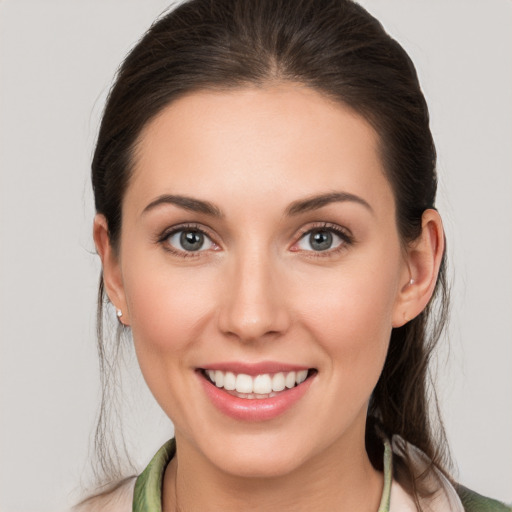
x: 255, y: 368
x: 258, y: 409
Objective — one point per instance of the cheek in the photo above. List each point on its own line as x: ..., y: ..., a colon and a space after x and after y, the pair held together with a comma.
x: 168, y: 314
x: 351, y: 322
x: 352, y: 303
x: 350, y: 315
x: 168, y: 308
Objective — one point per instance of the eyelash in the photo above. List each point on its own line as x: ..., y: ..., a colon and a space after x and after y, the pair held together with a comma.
x: 342, y: 233
x: 162, y: 239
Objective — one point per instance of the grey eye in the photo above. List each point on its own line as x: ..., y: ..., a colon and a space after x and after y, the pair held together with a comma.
x: 320, y: 240
x: 190, y: 240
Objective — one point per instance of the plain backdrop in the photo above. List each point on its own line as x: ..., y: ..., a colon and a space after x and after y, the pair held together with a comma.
x: 57, y: 60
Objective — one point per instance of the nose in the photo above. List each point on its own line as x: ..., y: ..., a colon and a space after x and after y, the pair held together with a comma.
x: 254, y: 304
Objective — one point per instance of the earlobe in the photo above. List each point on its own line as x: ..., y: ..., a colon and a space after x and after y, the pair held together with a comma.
x: 424, y: 257
x: 112, y: 276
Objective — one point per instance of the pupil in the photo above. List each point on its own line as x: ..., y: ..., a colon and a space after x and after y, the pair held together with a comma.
x: 191, y: 240
x: 321, y: 240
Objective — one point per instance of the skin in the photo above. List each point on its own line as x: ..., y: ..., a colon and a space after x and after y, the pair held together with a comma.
x: 259, y: 291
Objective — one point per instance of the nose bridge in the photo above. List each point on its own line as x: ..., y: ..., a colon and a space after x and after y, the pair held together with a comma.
x: 252, y: 307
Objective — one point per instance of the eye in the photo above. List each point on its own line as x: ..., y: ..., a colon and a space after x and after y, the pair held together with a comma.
x: 189, y: 240
x: 322, y: 239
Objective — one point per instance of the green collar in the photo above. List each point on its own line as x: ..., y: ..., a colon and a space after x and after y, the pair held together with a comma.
x: 147, y: 496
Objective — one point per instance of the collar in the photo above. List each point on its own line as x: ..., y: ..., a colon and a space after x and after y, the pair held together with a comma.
x: 147, y: 495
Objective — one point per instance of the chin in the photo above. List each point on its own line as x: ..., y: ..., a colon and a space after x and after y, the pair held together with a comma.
x: 257, y: 456
x: 260, y: 466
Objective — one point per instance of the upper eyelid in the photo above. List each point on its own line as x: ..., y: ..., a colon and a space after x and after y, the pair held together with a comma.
x: 162, y: 239
x: 328, y: 226
x: 344, y: 233
x: 299, y: 234
x: 166, y: 233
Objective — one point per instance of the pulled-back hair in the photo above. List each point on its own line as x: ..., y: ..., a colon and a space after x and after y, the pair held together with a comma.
x: 338, y: 49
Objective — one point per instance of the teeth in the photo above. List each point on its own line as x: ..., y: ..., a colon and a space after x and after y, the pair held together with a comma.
x: 262, y: 384
x: 243, y: 383
x: 301, y: 376
x: 259, y: 386
x: 219, y: 379
x: 278, y: 382
x: 229, y: 381
x: 253, y: 396
x: 289, y: 380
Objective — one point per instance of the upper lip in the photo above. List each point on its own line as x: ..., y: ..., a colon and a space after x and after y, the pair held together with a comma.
x: 255, y: 368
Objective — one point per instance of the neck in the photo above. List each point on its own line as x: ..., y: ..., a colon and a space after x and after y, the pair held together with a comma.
x: 341, y: 478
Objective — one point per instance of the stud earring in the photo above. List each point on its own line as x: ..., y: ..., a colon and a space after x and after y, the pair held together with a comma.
x: 119, y: 314
x: 411, y: 282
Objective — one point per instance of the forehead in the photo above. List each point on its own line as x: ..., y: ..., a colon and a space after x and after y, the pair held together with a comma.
x: 277, y: 142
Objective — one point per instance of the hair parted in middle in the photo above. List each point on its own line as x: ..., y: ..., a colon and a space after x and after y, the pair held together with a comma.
x: 334, y: 47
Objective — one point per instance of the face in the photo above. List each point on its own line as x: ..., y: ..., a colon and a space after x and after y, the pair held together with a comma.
x: 260, y: 271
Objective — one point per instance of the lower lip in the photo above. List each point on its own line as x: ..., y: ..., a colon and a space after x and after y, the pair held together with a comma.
x: 258, y: 409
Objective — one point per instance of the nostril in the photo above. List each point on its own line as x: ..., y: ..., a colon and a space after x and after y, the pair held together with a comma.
x: 251, y: 309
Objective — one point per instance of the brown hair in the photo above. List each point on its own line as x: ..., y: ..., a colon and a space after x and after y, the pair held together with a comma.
x: 340, y: 50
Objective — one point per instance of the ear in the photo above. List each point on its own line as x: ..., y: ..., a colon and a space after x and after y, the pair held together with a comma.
x: 112, y: 276
x: 423, y: 258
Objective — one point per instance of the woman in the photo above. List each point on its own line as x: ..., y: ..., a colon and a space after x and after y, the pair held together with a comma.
x: 265, y: 186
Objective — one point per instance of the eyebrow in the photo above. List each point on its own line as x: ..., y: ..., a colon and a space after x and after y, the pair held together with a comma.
x: 295, y: 208
x: 316, y: 202
x: 187, y: 203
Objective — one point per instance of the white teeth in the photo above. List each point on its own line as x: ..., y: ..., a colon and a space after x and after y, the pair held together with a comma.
x: 301, y: 376
x: 219, y: 379
x: 259, y: 386
x: 243, y: 383
x: 289, y: 380
x: 229, y: 381
x: 278, y: 382
x: 253, y: 396
x: 262, y: 384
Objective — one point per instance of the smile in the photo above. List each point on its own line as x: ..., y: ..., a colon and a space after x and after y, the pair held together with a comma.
x: 255, y: 392
x: 261, y: 386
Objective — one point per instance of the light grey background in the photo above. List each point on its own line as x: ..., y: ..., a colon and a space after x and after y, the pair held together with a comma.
x: 57, y: 59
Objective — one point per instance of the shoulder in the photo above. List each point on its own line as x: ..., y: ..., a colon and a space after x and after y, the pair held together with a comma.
x: 118, y: 499
x: 444, y: 495
x: 474, y: 502
x: 447, y: 499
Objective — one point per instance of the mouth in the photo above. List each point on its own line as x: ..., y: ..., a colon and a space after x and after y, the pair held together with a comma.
x: 256, y: 387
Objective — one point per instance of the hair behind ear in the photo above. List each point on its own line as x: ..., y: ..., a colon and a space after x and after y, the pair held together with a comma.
x: 111, y: 277
x: 404, y: 401
x: 424, y: 258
